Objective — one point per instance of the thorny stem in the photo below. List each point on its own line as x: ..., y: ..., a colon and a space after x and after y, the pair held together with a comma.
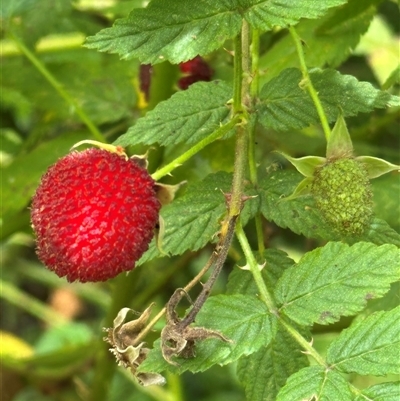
x: 60, y: 89
x: 268, y: 300
x: 254, y: 268
x: 309, y: 349
x: 241, y: 101
x: 308, y: 84
x: 221, y: 252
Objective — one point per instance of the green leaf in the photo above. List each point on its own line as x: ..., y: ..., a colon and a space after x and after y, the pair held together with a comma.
x: 346, y: 24
x: 188, y: 116
x: 176, y: 31
x: 192, y: 220
x: 386, y: 194
x: 263, y: 373
x: 381, y: 392
x: 265, y: 14
x: 381, y: 233
x: 242, y: 282
x: 336, y: 280
x: 243, y: 319
x: 317, y: 383
x: 285, y: 105
x: 369, y: 347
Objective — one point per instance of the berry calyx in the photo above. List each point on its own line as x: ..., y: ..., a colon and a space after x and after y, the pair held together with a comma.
x: 342, y: 192
x: 94, y: 215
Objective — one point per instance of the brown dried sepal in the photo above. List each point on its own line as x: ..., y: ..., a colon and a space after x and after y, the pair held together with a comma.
x: 122, y: 337
x: 177, y: 338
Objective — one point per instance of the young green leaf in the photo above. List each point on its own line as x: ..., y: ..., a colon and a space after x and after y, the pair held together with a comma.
x: 389, y: 391
x: 369, y: 347
x: 193, y: 220
x: 265, y: 14
x: 244, y: 320
x: 315, y: 383
x: 336, y: 280
x: 188, y: 116
x: 175, y: 30
x: 285, y: 104
x: 241, y: 281
x: 263, y: 373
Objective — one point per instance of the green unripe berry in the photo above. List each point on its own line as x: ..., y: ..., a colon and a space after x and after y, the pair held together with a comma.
x: 342, y: 192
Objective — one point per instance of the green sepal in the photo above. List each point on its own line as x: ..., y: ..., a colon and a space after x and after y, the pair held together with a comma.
x: 339, y: 143
x: 376, y: 167
x: 304, y: 188
x: 305, y: 165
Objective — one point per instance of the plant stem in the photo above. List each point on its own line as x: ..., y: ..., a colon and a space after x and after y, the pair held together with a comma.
x: 309, y: 350
x: 196, y: 148
x: 221, y: 253
x: 254, y: 269
x: 308, y: 83
x: 15, y: 296
x: 240, y: 104
x: 267, y: 298
x: 60, y: 89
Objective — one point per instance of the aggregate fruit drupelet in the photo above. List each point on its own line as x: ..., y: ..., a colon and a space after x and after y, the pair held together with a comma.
x: 94, y: 215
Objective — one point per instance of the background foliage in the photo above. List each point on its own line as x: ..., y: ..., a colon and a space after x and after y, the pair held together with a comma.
x: 51, y: 331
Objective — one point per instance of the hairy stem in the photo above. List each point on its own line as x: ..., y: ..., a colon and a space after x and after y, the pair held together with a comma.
x: 221, y: 253
x: 308, y: 84
x: 60, y: 89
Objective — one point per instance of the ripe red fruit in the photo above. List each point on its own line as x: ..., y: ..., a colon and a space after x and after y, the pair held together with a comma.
x: 196, y: 66
x: 94, y: 214
x: 198, y: 69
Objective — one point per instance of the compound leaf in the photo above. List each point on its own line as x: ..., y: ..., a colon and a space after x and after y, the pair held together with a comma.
x: 192, y: 220
x: 337, y: 280
x: 263, y: 373
x: 244, y: 320
x: 188, y: 116
x: 286, y: 104
x: 265, y: 14
x: 175, y: 30
x: 369, y: 347
x: 315, y: 382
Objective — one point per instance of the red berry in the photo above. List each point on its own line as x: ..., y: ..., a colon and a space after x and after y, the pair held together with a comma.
x: 198, y: 67
x: 94, y: 215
